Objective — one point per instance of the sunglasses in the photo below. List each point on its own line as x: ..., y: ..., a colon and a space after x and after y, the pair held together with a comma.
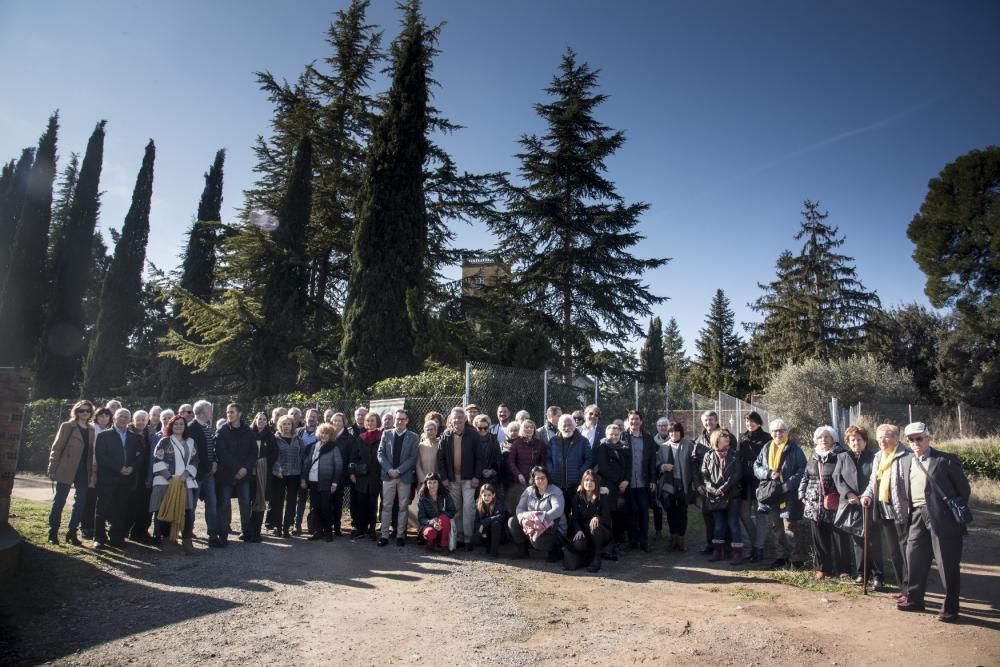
x: 83, y: 411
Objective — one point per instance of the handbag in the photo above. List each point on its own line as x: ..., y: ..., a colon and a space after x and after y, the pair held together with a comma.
x: 959, y: 509
x: 360, y: 469
x: 767, y: 490
x: 831, y: 501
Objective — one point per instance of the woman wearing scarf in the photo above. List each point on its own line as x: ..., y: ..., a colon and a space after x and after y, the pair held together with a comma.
x: 893, y: 508
x: 613, y: 465
x: 285, y: 476
x: 820, y: 501
x: 779, y: 468
x: 675, y: 487
x: 175, y: 458
x: 365, y: 469
x: 720, y: 474
x: 322, y: 466
x: 851, y: 476
x: 267, y: 456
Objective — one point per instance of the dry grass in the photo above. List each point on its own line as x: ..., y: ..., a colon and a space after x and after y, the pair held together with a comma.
x: 985, y: 492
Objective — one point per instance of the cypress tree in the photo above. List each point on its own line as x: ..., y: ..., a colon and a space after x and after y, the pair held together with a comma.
x: 61, y: 205
x: 571, y: 231
x: 119, y: 311
x: 284, y: 297
x: 197, y: 270
x: 720, y: 352
x: 11, y: 200
x: 388, y: 277
x: 651, y: 362
x: 25, y: 290
x: 61, y: 353
x: 816, y: 308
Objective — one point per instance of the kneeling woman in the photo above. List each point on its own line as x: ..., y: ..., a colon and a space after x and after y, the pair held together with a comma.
x: 435, y: 512
x: 490, y: 521
x: 175, y: 456
x: 322, y: 467
x: 539, y: 520
x: 721, y: 471
x: 589, y: 525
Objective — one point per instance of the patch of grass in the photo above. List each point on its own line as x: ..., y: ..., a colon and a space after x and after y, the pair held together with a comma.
x: 980, y: 456
x: 805, y: 580
x: 710, y: 589
x: 985, y: 492
x: 754, y: 594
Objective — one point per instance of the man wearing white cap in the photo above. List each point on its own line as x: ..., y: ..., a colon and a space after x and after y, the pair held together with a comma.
x: 933, y: 477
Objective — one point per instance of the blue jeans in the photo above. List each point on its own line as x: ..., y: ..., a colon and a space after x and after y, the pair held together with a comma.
x: 206, y: 492
x: 62, y: 492
x: 638, y: 515
x: 224, y: 513
x: 728, y: 518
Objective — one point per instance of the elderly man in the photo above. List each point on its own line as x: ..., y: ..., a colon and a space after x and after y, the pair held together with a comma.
x: 782, y: 462
x: 930, y: 478
x: 551, y: 427
x: 201, y: 430
x: 458, y: 461
x: 397, y: 456
x: 118, y: 451
x: 569, y: 455
x: 702, y: 447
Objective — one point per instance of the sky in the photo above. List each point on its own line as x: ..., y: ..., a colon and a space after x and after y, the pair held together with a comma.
x: 734, y: 112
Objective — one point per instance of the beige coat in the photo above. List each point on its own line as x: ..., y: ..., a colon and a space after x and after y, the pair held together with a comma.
x: 66, y: 452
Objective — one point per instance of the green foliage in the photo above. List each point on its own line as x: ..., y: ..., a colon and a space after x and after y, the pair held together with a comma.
x: 13, y: 187
x: 44, y: 417
x: 980, y: 458
x: 719, y: 364
x: 60, y: 355
x: 25, y: 289
x: 435, y: 380
x: 385, y: 296
x: 816, y: 308
x: 119, y: 313
x: 800, y: 392
x: 651, y: 362
x: 570, y: 231
x: 968, y: 365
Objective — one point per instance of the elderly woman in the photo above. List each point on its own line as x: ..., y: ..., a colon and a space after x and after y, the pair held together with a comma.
x: 276, y: 414
x: 539, y: 520
x: 285, y: 477
x: 820, y: 501
x: 719, y: 483
x: 261, y: 486
x: 435, y: 513
x: 322, y: 467
x: 589, y: 525
x: 175, y: 456
x: 490, y: 457
x: 344, y: 441
x: 365, y: 470
x: 851, y: 476
x: 72, y: 464
x: 779, y: 468
x: 675, y: 485
x: 522, y: 415
x: 526, y: 452
x: 613, y: 466
x: 885, y: 490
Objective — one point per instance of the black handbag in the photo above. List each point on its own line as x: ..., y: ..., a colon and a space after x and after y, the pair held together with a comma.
x: 959, y: 509
x: 767, y: 490
x: 359, y: 469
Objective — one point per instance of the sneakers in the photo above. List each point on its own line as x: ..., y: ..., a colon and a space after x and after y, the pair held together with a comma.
x: 947, y: 617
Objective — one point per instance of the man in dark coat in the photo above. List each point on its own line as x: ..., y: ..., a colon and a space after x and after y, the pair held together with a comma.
x: 118, y: 451
x: 458, y: 462
x: 933, y: 476
x: 236, y: 450
x: 199, y: 419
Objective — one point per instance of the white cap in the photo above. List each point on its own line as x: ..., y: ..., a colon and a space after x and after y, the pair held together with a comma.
x: 915, y: 428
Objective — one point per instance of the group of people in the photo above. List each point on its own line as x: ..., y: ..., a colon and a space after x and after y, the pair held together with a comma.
x: 573, y: 489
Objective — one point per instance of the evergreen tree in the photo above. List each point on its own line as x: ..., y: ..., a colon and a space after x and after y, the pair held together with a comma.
x: 25, y: 289
x: 720, y: 352
x: 62, y: 203
x: 572, y: 232
x: 197, y: 271
x: 652, y: 365
x: 816, y: 308
x: 909, y: 337
x: 60, y: 355
x: 288, y: 279
x: 675, y: 362
x: 11, y: 201
x: 119, y: 312
x: 388, y: 278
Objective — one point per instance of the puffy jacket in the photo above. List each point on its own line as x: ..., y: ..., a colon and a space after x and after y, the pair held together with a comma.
x: 568, y: 458
x: 793, y: 467
x: 551, y: 504
x: 289, y: 463
x: 524, y: 455
x: 819, y: 467
x: 751, y: 442
x: 428, y: 510
x: 718, y: 477
x: 330, y: 464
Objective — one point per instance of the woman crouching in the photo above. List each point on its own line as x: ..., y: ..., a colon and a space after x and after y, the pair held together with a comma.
x: 589, y: 525
x: 435, y: 512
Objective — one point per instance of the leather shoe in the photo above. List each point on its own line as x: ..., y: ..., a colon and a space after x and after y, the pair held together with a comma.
x: 947, y: 617
x: 906, y: 605
x: 400, y: 541
x: 382, y: 541
x: 73, y: 539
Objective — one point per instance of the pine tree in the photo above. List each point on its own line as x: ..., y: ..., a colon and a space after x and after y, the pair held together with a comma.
x: 60, y: 355
x: 62, y: 203
x: 571, y: 231
x: 288, y: 278
x: 651, y: 362
x: 676, y: 364
x: 25, y: 289
x: 197, y: 271
x: 119, y: 311
x: 388, y: 279
x: 816, y: 308
x: 720, y: 352
x: 11, y: 201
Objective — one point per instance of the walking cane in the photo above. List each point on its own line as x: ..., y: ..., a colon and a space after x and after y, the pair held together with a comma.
x: 864, y: 567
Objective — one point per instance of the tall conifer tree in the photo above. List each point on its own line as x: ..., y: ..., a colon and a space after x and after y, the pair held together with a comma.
x: 119, y: 310
x: 571, y: 230
x: 388, y: 278
x: 10, y: 213
x: 718, y: 366
x: 25, y: 289
x: 651, y: 363
x: 60, y: 355
x: 62, y: 203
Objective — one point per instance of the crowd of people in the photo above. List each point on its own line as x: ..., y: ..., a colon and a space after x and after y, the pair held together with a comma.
x: 575, y: 490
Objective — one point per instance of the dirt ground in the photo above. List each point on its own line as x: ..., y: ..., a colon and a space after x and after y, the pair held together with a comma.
x: 300, y: 602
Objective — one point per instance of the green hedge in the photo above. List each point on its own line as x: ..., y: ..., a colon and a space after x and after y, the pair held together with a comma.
x: 981, y: 459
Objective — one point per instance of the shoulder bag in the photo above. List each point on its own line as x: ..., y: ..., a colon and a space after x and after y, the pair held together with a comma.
x: 959, y: 509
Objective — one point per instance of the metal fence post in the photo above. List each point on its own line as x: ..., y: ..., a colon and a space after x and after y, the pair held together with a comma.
x: 468, y: 383
x: 596, y: 393
x: 636, y: 394
x: 692, y: 413
x: 834, y: 416
x: 960, y: 434
x: 909, y: 412
x: 545, y: 393
x: 666, y: 399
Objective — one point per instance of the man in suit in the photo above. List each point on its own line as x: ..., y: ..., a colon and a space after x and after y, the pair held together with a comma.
x: 118, y: 451
x: 933, y: 531
x: 397, y: 456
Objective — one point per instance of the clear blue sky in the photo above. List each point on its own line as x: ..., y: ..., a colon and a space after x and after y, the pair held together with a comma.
x: 735, y: 112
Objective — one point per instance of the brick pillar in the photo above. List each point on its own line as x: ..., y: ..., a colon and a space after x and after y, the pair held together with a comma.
x: 15, y: 384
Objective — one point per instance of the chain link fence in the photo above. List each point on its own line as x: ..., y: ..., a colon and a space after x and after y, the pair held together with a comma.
x: 944, y: 422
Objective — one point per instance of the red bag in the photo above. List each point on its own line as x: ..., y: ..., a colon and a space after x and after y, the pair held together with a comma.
x: 831, y: 501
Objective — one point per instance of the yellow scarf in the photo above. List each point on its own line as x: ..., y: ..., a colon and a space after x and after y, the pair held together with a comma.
x: 883, y: 474
x: 774, y: 456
